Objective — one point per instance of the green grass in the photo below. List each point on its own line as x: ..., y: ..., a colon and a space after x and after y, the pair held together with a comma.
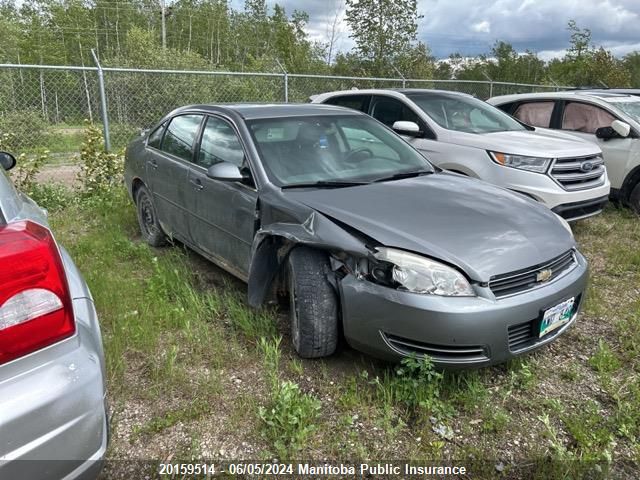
x: 190, y: 364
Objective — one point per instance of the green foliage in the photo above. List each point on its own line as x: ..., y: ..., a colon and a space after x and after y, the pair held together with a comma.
x: 26, y: 170
x: 383, y: 30
x: 288, y: 419
x: 18, y: 128
x: 604, y: 360
x: 53, y: 197
x: 415, y: 384
x: 100, y: 172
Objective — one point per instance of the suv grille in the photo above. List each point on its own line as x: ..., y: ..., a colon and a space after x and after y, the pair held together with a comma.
x: 444, y: 353
x: 578, y: 173
x: 523, y: 280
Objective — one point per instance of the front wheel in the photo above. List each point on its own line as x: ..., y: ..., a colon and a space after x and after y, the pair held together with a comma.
x: 313, y: 303
x: 148, y: 219
x: 634, y: 198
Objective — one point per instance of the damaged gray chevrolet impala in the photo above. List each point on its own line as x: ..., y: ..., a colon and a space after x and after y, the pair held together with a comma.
x: 364, y: 235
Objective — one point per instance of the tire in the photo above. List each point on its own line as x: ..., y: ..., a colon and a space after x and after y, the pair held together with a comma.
x: 634, y: 199
x: 148, y: 219
x: 313, y: 304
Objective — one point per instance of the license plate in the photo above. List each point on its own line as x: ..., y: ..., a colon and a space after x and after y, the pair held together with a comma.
x: 556, y: 316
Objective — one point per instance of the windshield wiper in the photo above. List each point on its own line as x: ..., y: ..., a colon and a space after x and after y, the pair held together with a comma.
x: 325, y: 184
x: 401, y: 175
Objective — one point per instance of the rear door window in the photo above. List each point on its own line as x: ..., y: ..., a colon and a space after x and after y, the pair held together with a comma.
x: 389, y: 110
x: 179, y: 139
x: 582, y: 117
x: 355, y: 102
x: 537, y: 114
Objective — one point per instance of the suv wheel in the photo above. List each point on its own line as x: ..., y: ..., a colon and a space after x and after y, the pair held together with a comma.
x: 313, y: 304
x: 148, y: 219
x: 634, y: 198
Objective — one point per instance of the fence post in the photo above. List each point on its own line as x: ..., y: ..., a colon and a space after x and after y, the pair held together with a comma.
x: 404, y: 80
x: 103, y: 103
x: 490, y: 83
x: 285, y: 77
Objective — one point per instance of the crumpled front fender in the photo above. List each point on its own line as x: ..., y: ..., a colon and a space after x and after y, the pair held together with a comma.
x: 272, y: 244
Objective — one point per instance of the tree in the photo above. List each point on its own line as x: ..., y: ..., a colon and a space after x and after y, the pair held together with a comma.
x: 631, y: 64
x: 586, y: 65
x: 383, y: 30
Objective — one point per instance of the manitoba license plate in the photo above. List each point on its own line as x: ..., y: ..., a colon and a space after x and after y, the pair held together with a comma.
x: 557, y: 316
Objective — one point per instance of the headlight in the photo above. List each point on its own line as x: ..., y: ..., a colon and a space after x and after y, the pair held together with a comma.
x: 418, y: 274
x: 531, y: 164
x: 565, y: 224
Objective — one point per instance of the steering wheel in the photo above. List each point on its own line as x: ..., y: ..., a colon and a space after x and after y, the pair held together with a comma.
x: 358, y: 151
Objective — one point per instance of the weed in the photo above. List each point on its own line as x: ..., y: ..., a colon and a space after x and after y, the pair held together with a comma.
x: 289, y: 418
x: 604, y: 360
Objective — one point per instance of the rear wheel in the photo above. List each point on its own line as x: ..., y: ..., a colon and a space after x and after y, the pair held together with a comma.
x: 634, y: 198
x: 148, y: 219
x: 313, y: 304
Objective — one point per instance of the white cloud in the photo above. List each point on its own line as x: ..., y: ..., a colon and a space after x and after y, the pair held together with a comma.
x: 470, y: 27
x: 482, y: 27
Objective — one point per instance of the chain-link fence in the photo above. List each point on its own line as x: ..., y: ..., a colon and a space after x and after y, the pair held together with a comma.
x: 45, y: 107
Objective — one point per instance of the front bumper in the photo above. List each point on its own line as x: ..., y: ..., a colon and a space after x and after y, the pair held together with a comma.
x: 581, y: 210
x: 53, y: 422
x: 454, y: 331
x: 540, y: 187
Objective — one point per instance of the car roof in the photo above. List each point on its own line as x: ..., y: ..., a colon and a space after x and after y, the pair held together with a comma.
x: 394, y: 92
x: 602, y: 95
x: 250, y: 111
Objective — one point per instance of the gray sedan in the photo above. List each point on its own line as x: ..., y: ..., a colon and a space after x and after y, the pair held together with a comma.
x: 53, y: 421
x: 363, y: 234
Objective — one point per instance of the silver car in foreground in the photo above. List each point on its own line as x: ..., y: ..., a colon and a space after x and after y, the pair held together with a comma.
x: 367, y: 238
x: 53, y: 421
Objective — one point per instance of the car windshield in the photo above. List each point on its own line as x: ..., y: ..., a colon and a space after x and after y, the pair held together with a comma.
x: 340, y: 148
x: 628, y: 106
x: 463, y: 113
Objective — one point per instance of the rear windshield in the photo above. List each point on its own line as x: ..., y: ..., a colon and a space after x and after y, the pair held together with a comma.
x: 463, y: 113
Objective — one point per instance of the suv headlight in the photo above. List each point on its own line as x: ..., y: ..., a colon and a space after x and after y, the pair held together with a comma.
x: 418, y: 274
x: 531, y: 164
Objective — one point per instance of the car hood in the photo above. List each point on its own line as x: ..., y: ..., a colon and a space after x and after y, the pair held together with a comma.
x: 542, y: 143
x: 482, y: 229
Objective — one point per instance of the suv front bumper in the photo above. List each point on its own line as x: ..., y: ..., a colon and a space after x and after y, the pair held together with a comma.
x: 580, y: 210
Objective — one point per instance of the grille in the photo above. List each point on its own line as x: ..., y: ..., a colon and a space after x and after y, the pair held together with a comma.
x: 523, y: 280
x: 449, y: 353
x: 578, y: 173
x: 522, y: 335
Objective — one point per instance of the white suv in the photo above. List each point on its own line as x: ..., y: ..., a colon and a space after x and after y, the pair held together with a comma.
x: 609, y: 120
x: 461, y: 133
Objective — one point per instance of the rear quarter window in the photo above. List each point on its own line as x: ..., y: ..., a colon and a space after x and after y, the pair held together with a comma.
x: 355, y: 102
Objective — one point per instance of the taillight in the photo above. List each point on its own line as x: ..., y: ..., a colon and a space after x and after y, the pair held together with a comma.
x: 35, y: 305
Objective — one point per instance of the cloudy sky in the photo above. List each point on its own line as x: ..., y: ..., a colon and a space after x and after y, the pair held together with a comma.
x: 472, y: 26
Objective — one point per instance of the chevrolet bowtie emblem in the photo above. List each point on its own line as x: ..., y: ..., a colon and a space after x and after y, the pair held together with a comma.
x: 544, y: 275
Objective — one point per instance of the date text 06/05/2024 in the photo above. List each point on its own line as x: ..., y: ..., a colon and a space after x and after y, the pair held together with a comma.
x: 250, y: 468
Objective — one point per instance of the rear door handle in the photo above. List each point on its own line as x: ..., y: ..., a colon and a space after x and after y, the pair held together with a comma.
x: 197, y: 184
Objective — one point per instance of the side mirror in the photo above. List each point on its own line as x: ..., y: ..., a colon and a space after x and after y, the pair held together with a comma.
x: 617, y: 129
x: 225, y: 172
x: 623, y: 129
x: 410, y: 129
x: 7, y: 160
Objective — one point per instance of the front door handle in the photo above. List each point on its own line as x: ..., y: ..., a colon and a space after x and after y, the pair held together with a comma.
x: 153, y: 164
x: 197, y: 184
